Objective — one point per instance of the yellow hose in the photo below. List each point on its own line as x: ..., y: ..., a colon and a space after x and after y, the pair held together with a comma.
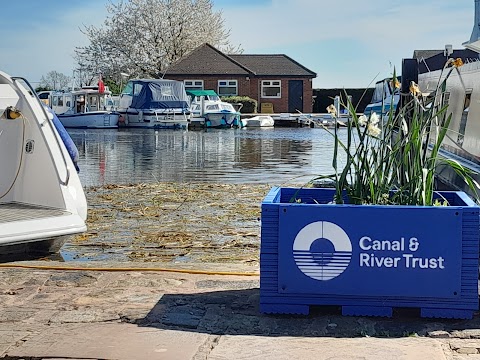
x: 68, y: 268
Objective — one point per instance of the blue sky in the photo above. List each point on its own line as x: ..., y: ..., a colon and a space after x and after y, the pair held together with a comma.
x: 348, y: 43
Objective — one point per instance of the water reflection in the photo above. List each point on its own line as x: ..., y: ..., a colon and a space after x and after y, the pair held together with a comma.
x: 272, y: 156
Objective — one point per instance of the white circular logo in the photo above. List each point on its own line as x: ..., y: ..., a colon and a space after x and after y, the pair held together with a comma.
x: 324, y: 264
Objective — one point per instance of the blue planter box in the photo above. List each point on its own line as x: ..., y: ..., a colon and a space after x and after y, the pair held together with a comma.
x: 368, y: 259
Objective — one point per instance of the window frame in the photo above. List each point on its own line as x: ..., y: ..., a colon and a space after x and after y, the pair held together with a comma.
x: 269, y: 86
x: 227, y: 85
x: 193, y: 85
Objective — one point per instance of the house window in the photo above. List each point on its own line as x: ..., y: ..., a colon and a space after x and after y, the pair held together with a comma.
x: 271, y: 89
x: 227, y: 87
x: 193, y: 84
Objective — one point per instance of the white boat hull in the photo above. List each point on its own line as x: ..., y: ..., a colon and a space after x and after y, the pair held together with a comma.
x: 223, y: 120
x: 41, y: 198
x: 154, y: 121
x: 260, y: 121
x: 90, y: 120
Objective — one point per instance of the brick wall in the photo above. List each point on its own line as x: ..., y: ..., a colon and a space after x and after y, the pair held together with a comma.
x: 251, y: 87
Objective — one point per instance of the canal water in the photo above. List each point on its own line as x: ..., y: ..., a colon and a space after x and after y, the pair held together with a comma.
x: 273, y: 156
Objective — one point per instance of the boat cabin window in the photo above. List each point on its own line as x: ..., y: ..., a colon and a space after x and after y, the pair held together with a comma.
x: 166, y: 91
x: 137, y: 88
x: 228, y: 107
x: 109, y: 103
x: 128, y: 89
x: 212, y: 107
x: 80, y: 104
x: 213, y: 98
x: 93, y: 103
x: 102, y: 105
x: 44, y: 97
x: 446, y: 99
x: 57, y: 100
x: 463, y: 120
x: 381, y: 91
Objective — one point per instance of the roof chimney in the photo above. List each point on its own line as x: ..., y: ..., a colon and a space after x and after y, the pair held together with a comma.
x: 474, y: 43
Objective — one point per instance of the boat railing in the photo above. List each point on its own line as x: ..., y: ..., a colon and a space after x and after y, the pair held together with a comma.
x: 65, y: 182
x: 170, y: 117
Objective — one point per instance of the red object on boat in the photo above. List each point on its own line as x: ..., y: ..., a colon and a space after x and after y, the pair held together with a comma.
x: 101, y: 86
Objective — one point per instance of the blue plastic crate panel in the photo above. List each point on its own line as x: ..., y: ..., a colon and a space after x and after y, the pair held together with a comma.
x: 368, y: 259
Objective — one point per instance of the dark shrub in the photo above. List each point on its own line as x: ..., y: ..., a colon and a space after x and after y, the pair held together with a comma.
x: 249, y: 104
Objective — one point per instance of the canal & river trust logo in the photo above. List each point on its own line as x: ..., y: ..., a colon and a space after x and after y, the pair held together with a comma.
x: 322, y: 250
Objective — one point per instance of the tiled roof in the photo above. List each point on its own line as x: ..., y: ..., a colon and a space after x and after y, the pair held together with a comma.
x: 273, y: 65
x: 207, y: 60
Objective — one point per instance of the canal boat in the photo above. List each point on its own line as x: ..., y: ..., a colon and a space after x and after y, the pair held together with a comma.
x: 42, y: 201
x: 90, y: 107
x: 462, y: 95
x: 461, y: 143
x: 154, y: 103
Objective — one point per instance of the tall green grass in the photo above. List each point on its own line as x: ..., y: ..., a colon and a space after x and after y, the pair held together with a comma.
x: 394, y: 160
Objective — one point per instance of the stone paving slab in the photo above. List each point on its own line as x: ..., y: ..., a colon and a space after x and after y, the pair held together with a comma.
x: 111, y: 341
x: 86, y: 313
x: 287, y: 348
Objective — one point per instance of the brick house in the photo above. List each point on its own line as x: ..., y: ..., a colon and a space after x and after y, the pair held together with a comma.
x: 271, y: 79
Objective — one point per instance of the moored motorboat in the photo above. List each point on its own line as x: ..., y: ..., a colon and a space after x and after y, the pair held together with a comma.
x: 209, y: 111
x: 90, y: 107
x: 42, y: 201
x: 260, y: 121
x: 385, y: 97
x: 154, y: 103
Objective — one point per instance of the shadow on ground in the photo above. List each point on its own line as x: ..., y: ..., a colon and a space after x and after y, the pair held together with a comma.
x: 235, y: 311
x: 30, y: 256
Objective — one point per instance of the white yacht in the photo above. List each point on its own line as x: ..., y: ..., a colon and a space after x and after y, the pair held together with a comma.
x: 41, y: 198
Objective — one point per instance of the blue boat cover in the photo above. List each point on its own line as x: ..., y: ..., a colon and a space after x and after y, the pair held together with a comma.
x: 67, y: 140
x: 159, y: 94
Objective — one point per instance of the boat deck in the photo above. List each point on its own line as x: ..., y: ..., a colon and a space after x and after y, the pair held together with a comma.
x: 11, y: 212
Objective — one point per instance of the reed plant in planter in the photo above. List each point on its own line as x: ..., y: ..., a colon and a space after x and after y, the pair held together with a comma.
x: 376, y: 241
x: 399, y: 153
